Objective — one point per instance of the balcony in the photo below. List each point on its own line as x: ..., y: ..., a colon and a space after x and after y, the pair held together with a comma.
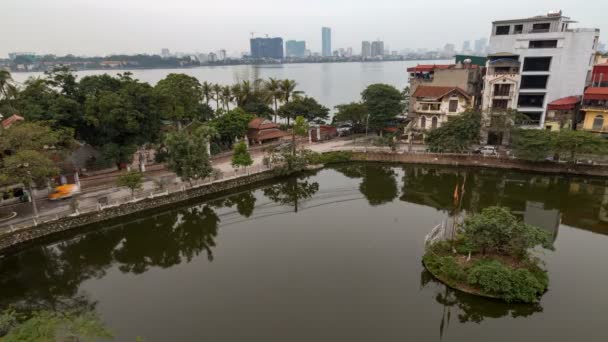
x: 507, y: 94
x: 429, y: 108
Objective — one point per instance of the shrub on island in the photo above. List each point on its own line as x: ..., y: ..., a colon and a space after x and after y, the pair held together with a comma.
x: 490, y: 257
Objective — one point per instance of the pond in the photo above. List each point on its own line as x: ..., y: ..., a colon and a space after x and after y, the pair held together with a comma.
x: 327, y: 256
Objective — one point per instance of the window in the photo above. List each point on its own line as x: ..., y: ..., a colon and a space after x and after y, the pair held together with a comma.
x: 537, y: 64
x: 500, y: 104
x: 534, y: 82
x: 541, y: 27
x: 423, y: 122
x: 502, y: 30
x: 531, y: 118
x: 434, y: 122
x: 543, y: 44
x: 502, y: 89
x: 518, y: 29
x: 531, y: 100
x: 453, y: 106
x: 598, y: 123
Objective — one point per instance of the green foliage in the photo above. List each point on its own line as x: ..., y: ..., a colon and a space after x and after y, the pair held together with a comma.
x: 444, y: 266
x: 496, y: 230
x: 180, y: 97
x: 306, y: 107
x: 384, y: 102
x: 28, y: 167
x: 456, y: 135
x: 187, y: 154
x: 47, y: 326
x: 314, y: 158
x: 532, y: 144
x: 512, y: 285
x: 354, y: 113
x: 300, y: 126
x: 241, y: 156
x: 574, y: 143
x: 133, y: 180
x: 291, y: 192
x: 232, y: 125
x: 36, y: 136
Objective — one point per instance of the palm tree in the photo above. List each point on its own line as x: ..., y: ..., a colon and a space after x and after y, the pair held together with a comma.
x: 227, y: 96
x: 288, y: 91
x: 243, y: 92
x: 274, y: 91
x: 8, y: 90
x: 207, y: 90
x: 217, y: 94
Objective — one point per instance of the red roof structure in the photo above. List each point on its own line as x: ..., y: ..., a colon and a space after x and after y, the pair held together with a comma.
x: 596, y: 93
x: 566, y: 103
x: 6, y: 123
x: 262, y: 130
x: 429, y: 67
x: 438, y: 92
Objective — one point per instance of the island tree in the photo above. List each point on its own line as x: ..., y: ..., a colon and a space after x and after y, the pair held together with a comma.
x: 187, y: 153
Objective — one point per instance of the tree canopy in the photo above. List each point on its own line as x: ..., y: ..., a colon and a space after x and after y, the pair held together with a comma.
x: 456, y: 135
x: 187, y: 153
x: 354, y: 113
x: 181, y: 97
x: 307, y: 107
x: 384, y: 102
x: 241, y: 156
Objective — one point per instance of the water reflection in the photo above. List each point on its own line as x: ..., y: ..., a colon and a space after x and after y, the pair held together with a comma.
x: 292, y: 192
x: 467, y: 308
x: 378, y: 184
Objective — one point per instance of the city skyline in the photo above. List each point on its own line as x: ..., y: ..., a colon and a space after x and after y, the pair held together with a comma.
x: 186, y: 25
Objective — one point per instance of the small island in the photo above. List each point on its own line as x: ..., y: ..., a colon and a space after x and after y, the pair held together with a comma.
x: 490, y: 256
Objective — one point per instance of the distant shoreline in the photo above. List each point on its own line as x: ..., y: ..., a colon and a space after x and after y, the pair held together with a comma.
x: 131, y: 67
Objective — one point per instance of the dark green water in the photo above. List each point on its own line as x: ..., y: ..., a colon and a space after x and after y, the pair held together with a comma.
x: 332, y: 256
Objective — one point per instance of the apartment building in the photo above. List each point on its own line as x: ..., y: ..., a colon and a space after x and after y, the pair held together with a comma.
x: 536, y: 61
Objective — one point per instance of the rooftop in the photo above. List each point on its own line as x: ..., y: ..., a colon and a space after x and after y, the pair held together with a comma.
x: 549, y: 16
x: 438, y: 92
x: 566, y: 103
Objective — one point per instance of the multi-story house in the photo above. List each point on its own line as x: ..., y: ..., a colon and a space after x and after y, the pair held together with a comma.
x: 554, y: 62
x: 441, y: 92
x: 595, y: 101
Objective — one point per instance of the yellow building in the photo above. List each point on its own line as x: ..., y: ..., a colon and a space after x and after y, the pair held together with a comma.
x: 595, y: 109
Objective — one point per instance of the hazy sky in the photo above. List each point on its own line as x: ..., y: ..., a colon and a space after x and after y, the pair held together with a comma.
x: 98, y: 27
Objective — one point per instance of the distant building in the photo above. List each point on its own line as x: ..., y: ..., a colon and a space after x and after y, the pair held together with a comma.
x: 349, y: 52
x: 481, y: 46
x: 466, y: 47
x: 366, y: 49
x: 165, y: 53
x: 266, y: 48
x: 295, y: 48
x: 212, y: 57
x: 203, y: 58
x: 552, y: 62
x: 377, y: 48
x: 222, y: 55
x: 326, y: 41
x: 449, y: 50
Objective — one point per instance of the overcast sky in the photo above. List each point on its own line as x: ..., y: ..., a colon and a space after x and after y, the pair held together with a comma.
x: 100, y: 27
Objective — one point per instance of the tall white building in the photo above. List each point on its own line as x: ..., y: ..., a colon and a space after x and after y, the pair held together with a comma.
x: 541, y: 59
x: 366, y: 49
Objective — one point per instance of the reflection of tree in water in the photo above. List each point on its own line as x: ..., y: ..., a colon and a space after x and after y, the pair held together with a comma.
x: 291, y: 192
x: 193, y: 231
x: 379, y: 185
x: 244, y: 201
x: 471, y: 308
x: 351, y: 170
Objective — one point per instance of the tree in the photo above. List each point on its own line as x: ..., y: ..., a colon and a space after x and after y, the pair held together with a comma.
x: 574, y: 143
x: 307, y: 107
x: 207, y: 91
x: 456, y: 135
x: 273, y: 87
x: 532, y: 144
x: 187, y: 153
x: 354, y: 113
x: 38, y: 136
x: 288, y: 91
x: 227, y: 97
x: 8, y: 91
x: 496, y: 230
x: 217, y: 95
x: 181, y: 97
x: 232, y: 125
x: 241, y: 156
x: 384, y: 102
x: 300, y: 128
x: 133, y: 180
x: 291, y: 192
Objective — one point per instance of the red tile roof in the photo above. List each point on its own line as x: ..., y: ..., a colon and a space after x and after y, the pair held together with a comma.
x: 596, y: 93
x: 429, y: 67
x: 566, y: 103
x: 267, y: 135
x: 6, y: 123
x: 437, y: 92
x: 262, y: 123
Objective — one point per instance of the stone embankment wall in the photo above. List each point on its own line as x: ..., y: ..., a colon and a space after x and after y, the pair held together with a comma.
x: 480, y: 161
x: 10, y: 241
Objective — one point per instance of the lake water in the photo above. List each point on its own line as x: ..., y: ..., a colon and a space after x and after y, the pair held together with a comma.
x: 329, y: 256
x: 330, y: 83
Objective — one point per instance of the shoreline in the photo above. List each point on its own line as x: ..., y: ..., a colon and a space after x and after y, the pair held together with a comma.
x: 15, y: 240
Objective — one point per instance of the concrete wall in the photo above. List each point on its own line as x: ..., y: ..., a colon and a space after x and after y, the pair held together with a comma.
x: 12, y: 241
